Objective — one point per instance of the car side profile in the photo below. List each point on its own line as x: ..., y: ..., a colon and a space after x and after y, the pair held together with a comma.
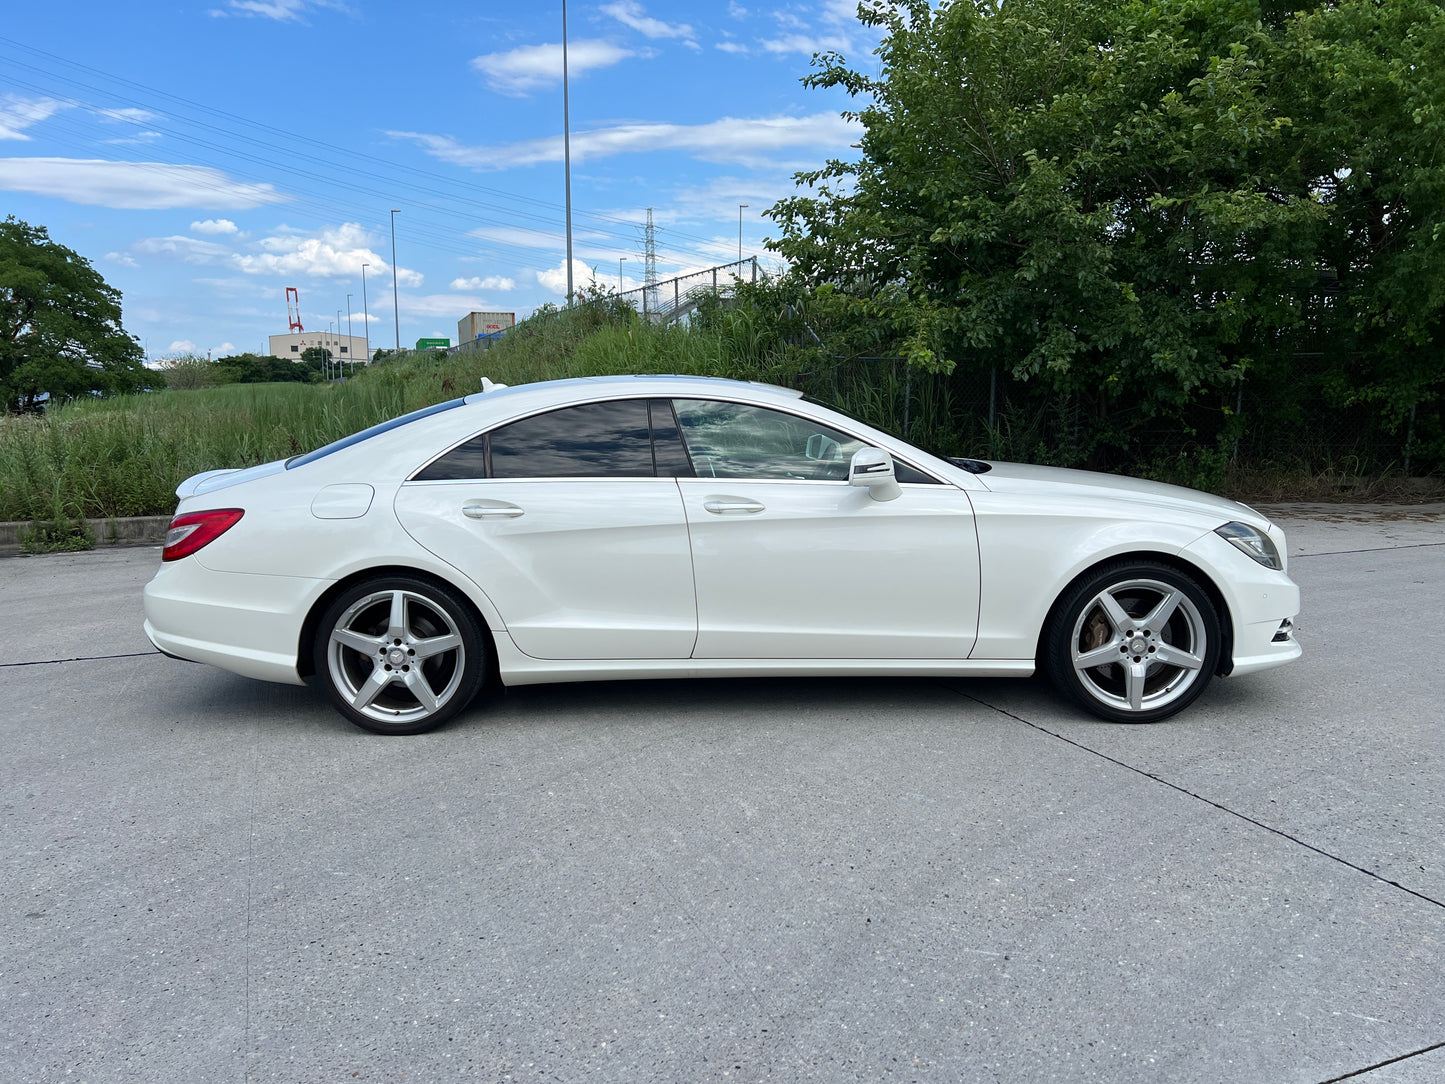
x: 636, y: 527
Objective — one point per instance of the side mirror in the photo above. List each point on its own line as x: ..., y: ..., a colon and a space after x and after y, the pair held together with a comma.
x: 873, y: 467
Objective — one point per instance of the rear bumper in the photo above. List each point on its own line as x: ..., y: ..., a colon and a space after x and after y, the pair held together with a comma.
x: 247, y: 624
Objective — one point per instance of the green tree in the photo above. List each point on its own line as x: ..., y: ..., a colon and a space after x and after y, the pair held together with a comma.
x: 60, y: 324
x: 1134, y: 203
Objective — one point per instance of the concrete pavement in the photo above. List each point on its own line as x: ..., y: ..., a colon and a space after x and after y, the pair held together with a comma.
x: 207, y: 878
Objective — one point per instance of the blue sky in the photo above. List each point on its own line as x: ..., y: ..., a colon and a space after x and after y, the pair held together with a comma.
x: 206, y: 156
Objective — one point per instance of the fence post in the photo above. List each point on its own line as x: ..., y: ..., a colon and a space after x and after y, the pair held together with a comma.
x: 755, y: 269
x: 907, y: 394
x: 676, y: 294
x: 1410, y: 438
x: 992, y: 396
x: 1238, y: 413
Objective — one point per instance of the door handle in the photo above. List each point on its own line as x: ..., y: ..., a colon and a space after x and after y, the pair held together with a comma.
x: 732, y: 506
x: 490, y: 510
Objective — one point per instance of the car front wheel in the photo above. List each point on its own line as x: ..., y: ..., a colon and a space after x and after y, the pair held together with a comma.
x: 399, y: 655
x: 1135, y: 642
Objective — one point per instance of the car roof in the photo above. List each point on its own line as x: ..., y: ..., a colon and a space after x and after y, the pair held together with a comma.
x: 570, y: 388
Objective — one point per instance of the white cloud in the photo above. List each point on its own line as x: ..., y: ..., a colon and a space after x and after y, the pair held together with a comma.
x: 736, y: 10
x: 133, y: 186
x: 555, y: 278
x: 532, y: 67
x: 222, y: 350
x: 807, y: 44
x: 282, y: 11
x: 737, y: 48
x: 128, y: 115
x: 181, y: 346
x: 214, y: 226
x: 17, y: 114
x: 745, y: 140
x: 632, y: 14
x: 125, y: 259
x: 491, y: 282
x: 451, y: 306
x: 333, y: 253
x: 187, y: 249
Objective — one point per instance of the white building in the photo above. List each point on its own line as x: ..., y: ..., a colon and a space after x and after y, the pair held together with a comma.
x: 342, y: 347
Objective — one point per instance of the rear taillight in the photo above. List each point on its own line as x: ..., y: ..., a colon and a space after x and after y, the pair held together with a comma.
x: 190, y: 532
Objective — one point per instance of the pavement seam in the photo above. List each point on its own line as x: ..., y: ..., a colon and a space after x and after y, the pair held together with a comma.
x: 1369, y: 549
x: 1199, y: 797
x: 80, y: 658
x: 1382, y: 1064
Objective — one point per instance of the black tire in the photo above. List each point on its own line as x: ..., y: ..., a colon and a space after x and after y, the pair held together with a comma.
x: 400, y: 654
x: 1150, y: 631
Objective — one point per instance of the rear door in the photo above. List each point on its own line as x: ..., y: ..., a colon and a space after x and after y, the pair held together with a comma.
x: 563, y: 520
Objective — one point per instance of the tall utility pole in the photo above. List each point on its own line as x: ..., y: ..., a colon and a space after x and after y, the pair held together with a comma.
x: 567, y: 151
x: 620, y: 261
x: 395, y: 312
x: 740, y: 231
x: 366, y: 312
x: 339, y: 370
x: 350, y: 342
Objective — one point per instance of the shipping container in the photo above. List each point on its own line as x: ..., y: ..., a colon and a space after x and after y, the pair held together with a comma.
x: 477, y: 325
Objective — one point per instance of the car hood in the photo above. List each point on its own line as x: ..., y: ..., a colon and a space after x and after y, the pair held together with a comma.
x: 1025, y: 478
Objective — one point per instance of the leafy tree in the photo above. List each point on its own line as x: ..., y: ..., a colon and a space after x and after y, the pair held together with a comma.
x: 1136, y: 202
x: 316, y: 355
x: 60, y: 324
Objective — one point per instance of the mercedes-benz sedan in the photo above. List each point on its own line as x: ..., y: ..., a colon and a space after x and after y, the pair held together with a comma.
x: 636, y: 527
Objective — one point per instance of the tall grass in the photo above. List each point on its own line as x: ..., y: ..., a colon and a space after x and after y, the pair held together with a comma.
x: 125, y: 456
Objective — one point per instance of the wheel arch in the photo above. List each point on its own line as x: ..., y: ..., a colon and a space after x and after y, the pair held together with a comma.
x: 305, y: 656
x: 1169, y: 560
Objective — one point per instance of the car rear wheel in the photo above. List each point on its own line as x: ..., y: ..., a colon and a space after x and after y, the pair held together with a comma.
x: 399, y: 654
x: 1135, y: 642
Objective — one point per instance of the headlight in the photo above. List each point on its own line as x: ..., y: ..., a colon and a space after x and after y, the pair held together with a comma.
x: 1254, y: 543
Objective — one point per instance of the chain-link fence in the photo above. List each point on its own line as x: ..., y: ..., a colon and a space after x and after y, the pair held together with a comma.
x: 1256, y: 423
x: 673, y: 298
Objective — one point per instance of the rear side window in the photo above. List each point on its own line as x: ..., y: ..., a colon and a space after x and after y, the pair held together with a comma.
x: 595, y: 440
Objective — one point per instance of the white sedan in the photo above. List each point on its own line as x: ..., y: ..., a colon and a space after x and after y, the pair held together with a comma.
x: 635, y: 527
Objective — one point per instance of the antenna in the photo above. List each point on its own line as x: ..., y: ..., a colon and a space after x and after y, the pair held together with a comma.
x: 293, y: 308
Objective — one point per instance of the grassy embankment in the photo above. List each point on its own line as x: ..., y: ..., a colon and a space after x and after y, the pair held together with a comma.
x: 125, y: 456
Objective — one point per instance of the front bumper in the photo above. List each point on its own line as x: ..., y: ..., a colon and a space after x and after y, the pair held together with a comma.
x: 1262, y: 603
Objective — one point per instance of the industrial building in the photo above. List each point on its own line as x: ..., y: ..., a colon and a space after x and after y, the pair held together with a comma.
x: 342, y: 347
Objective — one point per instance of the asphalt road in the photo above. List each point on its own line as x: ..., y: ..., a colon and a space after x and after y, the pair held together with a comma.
x: 212, y: 879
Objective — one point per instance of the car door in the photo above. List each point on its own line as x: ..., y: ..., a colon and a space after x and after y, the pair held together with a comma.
x: 790, y: 561
x: 562, y: 519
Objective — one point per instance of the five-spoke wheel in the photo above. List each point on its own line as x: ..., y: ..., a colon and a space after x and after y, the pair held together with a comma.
x: 1133, y: 643
x: 399, y: 655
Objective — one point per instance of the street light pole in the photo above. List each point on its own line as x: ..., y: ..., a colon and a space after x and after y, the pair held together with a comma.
x: 395, y: 312
x: 620, y: 261
x: 339, y: 369
x: 567, y: 151
x: 366, y: 312
x: 740, y: 231
x: 350, y: 342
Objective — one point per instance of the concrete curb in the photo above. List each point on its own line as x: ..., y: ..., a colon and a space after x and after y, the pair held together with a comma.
x: 127, y: 531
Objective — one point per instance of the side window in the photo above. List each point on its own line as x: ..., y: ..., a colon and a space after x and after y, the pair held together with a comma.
x: 595, y: 440
x: 732, y: 440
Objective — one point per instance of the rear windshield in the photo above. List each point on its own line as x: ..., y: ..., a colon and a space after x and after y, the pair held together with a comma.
x: 374, y: 431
